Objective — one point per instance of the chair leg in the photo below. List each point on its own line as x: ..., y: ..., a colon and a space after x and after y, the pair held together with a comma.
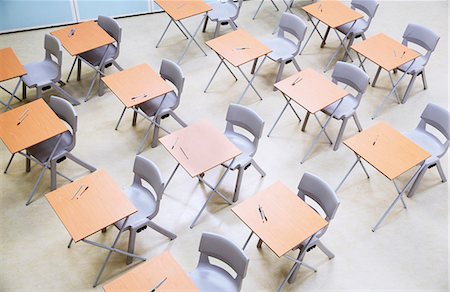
x: 204, y: 25
x: 424, y: 79
x: 408, y: 89
x: 324, y: 249
x: 296, y: 65
x: 280, y: 72
x: 416, y: 183
x: 233, y: 24
x: 38, y: 92
x: 131, y: 243
x: 134, y: 119
x: 441, y: 172
x: 341, y: 132
x: 217, y: 29
x: 156, y: 132
x: 80, y: 162
x: 117, y: 65
x: 161, y: 230
x: 358, y: 124
x: 53, y: 175
x: 258, y: 168
x: 238, y: 183
x: 177, y: 118
x: 363, y: 36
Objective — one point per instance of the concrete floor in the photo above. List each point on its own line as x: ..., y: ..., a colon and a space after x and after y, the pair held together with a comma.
x: 408, y: 252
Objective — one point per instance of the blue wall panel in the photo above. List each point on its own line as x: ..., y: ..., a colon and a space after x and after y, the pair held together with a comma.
x: 91, y: 9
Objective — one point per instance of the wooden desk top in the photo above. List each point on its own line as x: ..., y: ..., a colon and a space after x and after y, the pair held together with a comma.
x: 332, y: 13
x: 385, y: 51
x: 87, y: 36
x: 313, y: 91
x: 40, y: 124
x: 10, y: 66
x: 290, y: 221
x: 147, y: 275
x: 205, y: 147
x: 140, y: 81
x: 181, y: 9
x: 386, y: 149
x: 101, y: 205
x: 238, y: 47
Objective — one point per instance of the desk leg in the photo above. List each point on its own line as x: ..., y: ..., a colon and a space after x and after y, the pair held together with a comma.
x: 13, y: 95
x: 358, y: 160
x: 222, y: 61
x: 250, y: 82
x: 167, y: 27
x: 247, y: 241
x: 288, y: 103
x: 312, y: 32
x: 361, y: 62
x: 171, y: 176
x: 393, y: 86
x: 214, y: 191
x: 98, y: 72
x: 339, y: 47
x: 192, y: 38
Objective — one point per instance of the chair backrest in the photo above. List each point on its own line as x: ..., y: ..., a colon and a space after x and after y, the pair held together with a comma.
x: 421, y: 36
x: 238, y: 8
x: 369, y: 7
x: 172, y: 71
x: 294, y: 25
x: 319, y: 191
x: 219, y: 247
x: 52, y: 47
x: 65, y: 111
x: 352, y: 76
x: 111, y: 26
x: 246, y: 118
x: 145, y: 169
x: 439, y: 118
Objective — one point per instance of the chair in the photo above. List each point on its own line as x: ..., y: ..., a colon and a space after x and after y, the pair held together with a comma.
x: 437, y: 118
x: 44, y: 75
x: 356, y: 78
x: 368, y: 7
x: 172, y: 72
x: 146, y: 201
x: 42, y: 151
x: 284, y: 50
x: 102, y: 57
x: 224, y: 13
x: 244, y: 118
x: 426, y: 39
x: 211, y: 277
x: 320, y: 192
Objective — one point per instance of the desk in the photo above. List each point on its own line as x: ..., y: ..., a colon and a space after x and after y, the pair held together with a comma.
x: 80, y: 38
x: 148, y: 275
x: 135, y: 86
x: 312, y: 91
x: 180, y: 10
x: 389, y: 152
x: 89, y: 205
x: 28, y: 125
x: 388, y: 54
x: 290, y: 221
x: 10, y: 67
x: 333, y: 14
x: 198, y: 148
x: 238, y: 48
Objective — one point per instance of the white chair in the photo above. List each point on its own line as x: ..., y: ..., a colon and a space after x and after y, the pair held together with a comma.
x: 437, y: 118
x: 224, y: 13
x: 146, y: 201
x: 211, y: 277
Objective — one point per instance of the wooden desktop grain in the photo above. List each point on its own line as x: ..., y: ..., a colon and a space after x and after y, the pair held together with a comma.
x: 181, y: 9
x: 204, y: 146
x: 88, y: 36
x: 147, y: 275
x: 10, y: 66
x: 314, y: 92
x: 387, y: 150
x: 290, y: 221
x: 332, y: 13
x: 101, y: 205
x: 385, y: 51
x: 40, y: 124
x: 228, y: 46
x: 136, y: 81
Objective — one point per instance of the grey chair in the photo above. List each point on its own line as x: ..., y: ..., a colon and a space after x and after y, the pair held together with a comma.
x: 436, y: 118
x: 284, y: 50
x: 41, y: 152
x: 211, y: 277
x: 323, y: 195
x: 243, y: 118
x: 224, y: 13
x: 357, y: 79
x: 146, y: 201
x: 171, y: 72
x: 46, y: 74
x: 102, y: 57
x: 369, y: 8
x: 426, y: 39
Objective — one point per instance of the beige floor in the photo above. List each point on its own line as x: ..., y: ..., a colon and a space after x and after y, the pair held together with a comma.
x: 408, y: 252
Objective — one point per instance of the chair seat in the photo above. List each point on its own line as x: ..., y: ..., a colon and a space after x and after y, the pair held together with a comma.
x: 150, y: 107
x: 282, y: 49
x: 43, y: 150
x: 245, y: 145
x: 345, y: 109
x: 95, y: 56
x: 212, y: 278
x: 416, y: 67
x: 40, y: 74
x: 428, y: 142
x: 358, y: 29
x: 222, y: 11
x: 144, y: 201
